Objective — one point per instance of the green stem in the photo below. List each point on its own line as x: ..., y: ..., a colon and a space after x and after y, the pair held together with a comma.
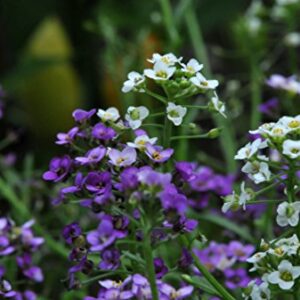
x: 197, y: 106
x: 211, y: 279
x: 156, y: 96
x: 8, y: 193
x: 167, y: 132
x: 150, y: 264
x: 198, y: 136
x: 166, y: 9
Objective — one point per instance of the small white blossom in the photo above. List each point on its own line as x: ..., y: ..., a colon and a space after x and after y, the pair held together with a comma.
x: 245, y: 195
x: 134, y: 81
x: 291, y: 123
x: 257, y: 171
x: 230, y: 201
x: 111, y: 114
x: 192, y: 67
x: 168, y: 59
x: 263, y: 129
x: 291, y: 148
x: 250, y: 149
x: 288, y: 214
x: 285, y: 276
x: 218, y: 105
x: 135, y: 116
x: 255, y: 259
x: 176, y: 113
x: 160, y: 71
x: 289, y: 245
x: 141, y: 141
x: 261, y: 291
x: 201, y: 82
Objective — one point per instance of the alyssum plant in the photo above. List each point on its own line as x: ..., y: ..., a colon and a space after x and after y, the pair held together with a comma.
x: 137, y: 238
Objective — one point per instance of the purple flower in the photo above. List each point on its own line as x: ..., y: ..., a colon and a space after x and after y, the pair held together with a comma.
x: 237, y: 278
x: 150, y: 177
x: 170, y: 293
x: 30, y: 242
x: 160, y: 268
x: 181, y: 224
x: 101, y: 132
x: 128, y: 179
x: 27, y: 295
x: 103, y: 237
x: 157, y: 154
x: 203, y: 180
x: 268, y: 108
x: 123, y: 158
x: 92, y: 156
x: 81, y: 115
x: 67, y: 138
x: 172, y: 200
x: 140, y: 287
x: 59, y: 168
x: 5, y: 247
x: 239, y: 251
x: 71, y: 231
x: 99, y: 183
x: 114, y: 290
x: 289, y: 84
x: 110, y: 259
x: 185, y: 170
x: 78, y: 182
x: 34, y: 273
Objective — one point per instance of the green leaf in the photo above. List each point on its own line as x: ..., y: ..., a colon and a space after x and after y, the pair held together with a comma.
x: 242, y: 231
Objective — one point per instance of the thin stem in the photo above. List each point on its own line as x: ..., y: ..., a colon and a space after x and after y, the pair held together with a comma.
x: 197, y: 106
x: 198, y: 136
x: 150, y: 264
x: 156, y: 96
x: 211, y: 279
x: 153, y: 125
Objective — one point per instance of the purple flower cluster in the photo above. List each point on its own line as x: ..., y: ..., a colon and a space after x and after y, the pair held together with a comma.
x: 19, y: 241
x: 201, y: 182
x: 137, y: 287
x: 119, y: 184
x: 226, y: 261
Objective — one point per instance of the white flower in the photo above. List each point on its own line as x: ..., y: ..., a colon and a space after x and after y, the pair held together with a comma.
x: 111, y: 114
x: 192, y: 66
x: 250, y: 149
x: 246, y: 195
x: 169, y: 59
x: 175, y: 113
x: 160, y: 71
x: 257, y: 171
x: 291, y: 148
x: 285, y: 275
x: 230, y: 201
x: 133, y: 82
x: 288, y: 214
x: 289, y: 245
x: 255, y: 259
x: 260, y: 292
x: 218, y: 105
x: 201, y: 82
x: 292, y: 123
x: 135, y: 116
x: 265, y: 128
x: 141, y: 141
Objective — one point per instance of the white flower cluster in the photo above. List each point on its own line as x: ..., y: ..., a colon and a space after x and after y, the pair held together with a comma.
x: 179, y: 80
x: 277, y: 264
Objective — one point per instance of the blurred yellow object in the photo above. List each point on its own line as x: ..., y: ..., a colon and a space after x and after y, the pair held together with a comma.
x: 52, y: 90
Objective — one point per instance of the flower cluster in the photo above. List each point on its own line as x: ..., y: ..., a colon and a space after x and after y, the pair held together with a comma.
x: 277, y: 147
x: 278, y: 264
x: 227, y: 262
x: 179, y: 81
x: 138, y: 287
x: 19, y: 241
